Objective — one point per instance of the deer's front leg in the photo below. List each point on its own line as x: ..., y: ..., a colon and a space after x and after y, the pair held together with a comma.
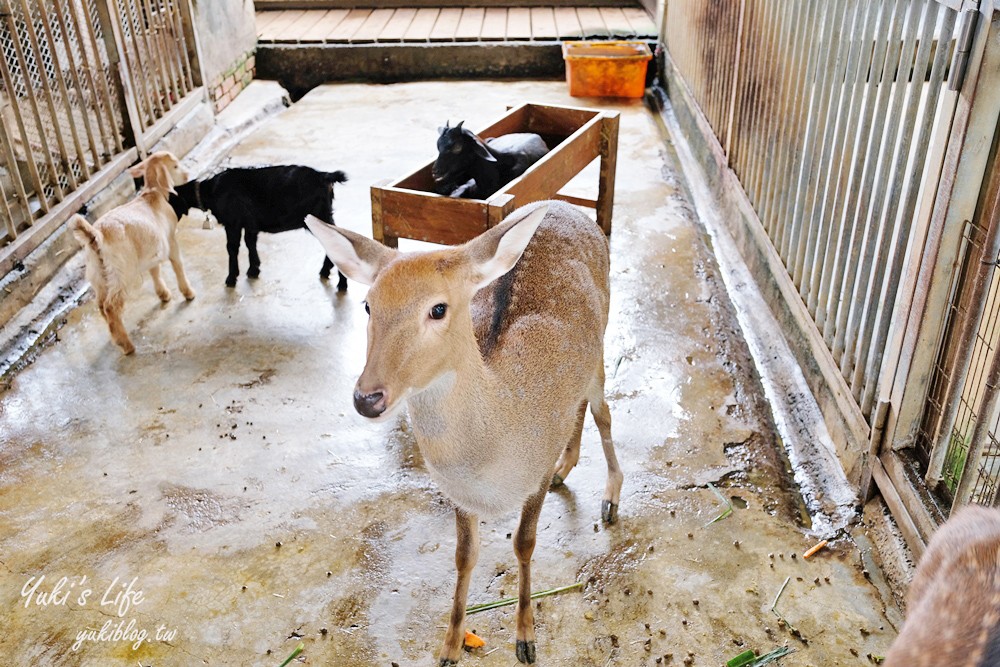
x: 466, y: 553
x: 524, y: 546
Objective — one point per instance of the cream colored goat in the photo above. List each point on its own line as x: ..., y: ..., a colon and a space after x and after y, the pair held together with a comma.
x: 497, y: 347
x: 135, y: 237
x: 953, y: 606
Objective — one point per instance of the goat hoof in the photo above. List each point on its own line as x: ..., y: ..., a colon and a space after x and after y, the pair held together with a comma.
x: 230, y: 282
x: 525, y: 651
x: 557, y: 481
x: 447, y: 662
x: 253, y: 273
x: 342, y: 286
x: 609, y: 512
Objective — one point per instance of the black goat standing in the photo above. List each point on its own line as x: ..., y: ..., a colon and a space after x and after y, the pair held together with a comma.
x: 468, y: 167
x: 250, y: 200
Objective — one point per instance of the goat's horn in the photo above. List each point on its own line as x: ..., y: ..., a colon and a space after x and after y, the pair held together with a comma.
x: 459, y: 126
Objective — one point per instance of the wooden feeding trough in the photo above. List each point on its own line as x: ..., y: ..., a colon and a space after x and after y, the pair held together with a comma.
x: 409, y: 208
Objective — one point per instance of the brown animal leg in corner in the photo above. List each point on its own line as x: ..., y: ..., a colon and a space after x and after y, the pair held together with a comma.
x: 570, y: 455
x: 466, y: 553
x: 524, y: 546
x: 602, y: 416
x: 177, y: 263
x: 161, y: 287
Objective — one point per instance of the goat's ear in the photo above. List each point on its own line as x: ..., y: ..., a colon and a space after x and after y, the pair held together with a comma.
x: 478, y: 147
x: 497, y: 251
x: 357, y: 257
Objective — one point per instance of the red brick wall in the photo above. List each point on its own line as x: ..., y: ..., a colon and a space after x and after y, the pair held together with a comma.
x: 230, y: 83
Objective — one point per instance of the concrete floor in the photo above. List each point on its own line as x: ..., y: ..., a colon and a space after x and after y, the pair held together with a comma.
x: 223, y: 470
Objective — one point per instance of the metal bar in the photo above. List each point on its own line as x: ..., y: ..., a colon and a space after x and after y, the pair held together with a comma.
x: 79, y: 87
x: 867, y: 291
x: 803, y: 78
x: 804, y: 228
x: 790, y: 50
x: 833, y: 264
x: 771, y: 125
x: 111, y: 139
x: 134, y: 66
x: 147, y: 58
x: 863, y: 174
x: 756, y: 89
x: 15, y: 176
x: 115, y: 47
x: 33, y: 106
x: 737, y: 72
x: 171, y: 52
x: 47, y: 92
x: 739, y: 147
x: 876, y: 327
x: 853, y: 167
x: 823, y: 229
x: 8, y: 82
x: 987, y: 416
x: 166, y: 91
x: 71, y: 118
x: 8, y: 217
x: 179, y: 47
x: 758, y: 128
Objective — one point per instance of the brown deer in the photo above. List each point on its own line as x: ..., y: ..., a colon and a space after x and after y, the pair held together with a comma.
x: 953, y: 606
x: 497, y: 348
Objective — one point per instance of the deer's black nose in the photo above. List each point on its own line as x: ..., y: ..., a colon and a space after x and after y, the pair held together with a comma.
x: 369, y: 405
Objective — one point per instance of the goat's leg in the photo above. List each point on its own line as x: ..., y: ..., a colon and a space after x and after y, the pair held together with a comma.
x: 161, y: 287
x: 250, y: 239
x: 570, y: 455
x: 178, y: 265
x: 524, y: 546
x: 111, y: 309
x: 466, y: 554
x: 233, y: 235
x: 602, y: 416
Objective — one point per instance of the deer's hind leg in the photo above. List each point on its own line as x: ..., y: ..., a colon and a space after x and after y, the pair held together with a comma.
x: 602, y: 416
x: 466, y: 554
x: 524, y: 546
x: 571, y: 455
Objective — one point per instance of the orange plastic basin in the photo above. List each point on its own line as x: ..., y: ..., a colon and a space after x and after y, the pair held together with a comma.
x: 606, y: 69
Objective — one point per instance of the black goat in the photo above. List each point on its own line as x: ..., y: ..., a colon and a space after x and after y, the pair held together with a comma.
x: 468, y: 167
x: 262, y: 199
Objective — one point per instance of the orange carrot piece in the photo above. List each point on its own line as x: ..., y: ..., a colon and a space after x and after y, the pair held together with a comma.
x: 814, y: 549
x: 473, y: 641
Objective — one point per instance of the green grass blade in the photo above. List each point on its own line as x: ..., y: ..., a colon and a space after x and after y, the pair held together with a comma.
x: 485, y: 606
x: 298, y: 649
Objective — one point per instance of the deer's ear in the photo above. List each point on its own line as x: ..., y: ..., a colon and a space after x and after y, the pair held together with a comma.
x: 497, y: 251
x: 357, y: 257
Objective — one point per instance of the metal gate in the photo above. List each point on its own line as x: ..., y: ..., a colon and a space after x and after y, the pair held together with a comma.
x: 87, y: 86
x: 852, y: 134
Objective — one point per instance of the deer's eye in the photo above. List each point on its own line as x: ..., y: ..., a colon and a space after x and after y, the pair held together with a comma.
x: 438, y: 311
x: 367, y: 309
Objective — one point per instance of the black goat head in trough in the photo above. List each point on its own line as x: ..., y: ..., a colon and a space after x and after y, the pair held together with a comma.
x: 458, y: 151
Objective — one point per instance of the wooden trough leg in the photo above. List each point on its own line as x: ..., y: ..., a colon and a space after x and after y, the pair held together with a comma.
x: 606, y: 182
x: 497, y: 209
x: 378, y: 225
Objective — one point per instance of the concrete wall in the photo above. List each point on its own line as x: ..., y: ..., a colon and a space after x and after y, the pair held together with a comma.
x: 227, y: 41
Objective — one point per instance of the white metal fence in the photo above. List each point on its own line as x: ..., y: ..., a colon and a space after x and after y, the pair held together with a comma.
x: 857, y: 134
x: 83, y: 83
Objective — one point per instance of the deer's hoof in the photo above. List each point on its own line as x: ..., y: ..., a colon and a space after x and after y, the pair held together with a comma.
x: 447, y: 662
x: 557, y: 481
x: 525, y: 651
x: 609, y: 512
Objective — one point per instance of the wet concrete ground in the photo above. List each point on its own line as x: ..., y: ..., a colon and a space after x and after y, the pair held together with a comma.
x: 223, y: 472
